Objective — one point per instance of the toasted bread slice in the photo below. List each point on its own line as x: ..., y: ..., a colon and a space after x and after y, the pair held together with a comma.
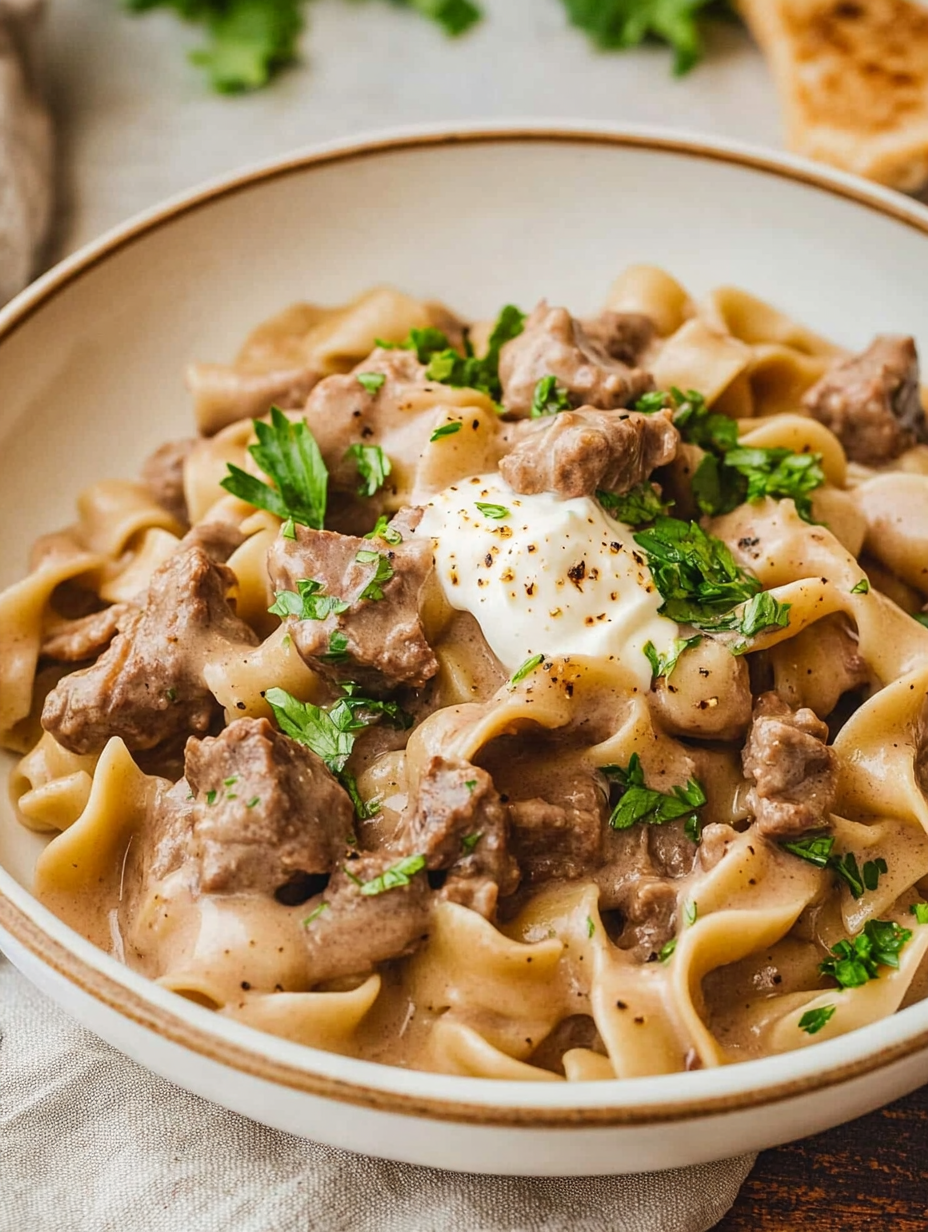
x: 853, y: 77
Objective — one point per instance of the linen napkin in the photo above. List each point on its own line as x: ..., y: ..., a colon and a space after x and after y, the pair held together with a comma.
x: 91, y: 1142
x: 25, y: 147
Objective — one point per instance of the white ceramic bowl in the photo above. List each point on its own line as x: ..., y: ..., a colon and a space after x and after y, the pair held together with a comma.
x: 90, y: 381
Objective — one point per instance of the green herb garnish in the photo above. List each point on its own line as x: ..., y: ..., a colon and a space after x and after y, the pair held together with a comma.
x: 920, y: 911
x: 663, y: 665
x: 690, y: 913
x: 526, y: 668
x: 338, y: 648
x: 373, y: 467
x: 857, y: 961
x: 549, y: 398
x: 818, y: 850
x: 812, y: 1021
x: 695, y: 573
x: 760, y: 613
x: 742, y: 474
x: 448, y: 429
x: 590, y: 926
x: 392, y: 878
x: 470, y: 841
x: 635, y: 508
x: 639, y: 803
x: 288, y: 454
x: 211, y: 797
x: 253, y: 802
x: 331, y: 733
x: 384, y: 571
x: 615, y: 25
x: 309, y: 602
x: 466, y: 371
x: 315, y: 914
x: 497, y: 512
x: 861, y: 588
x: 383, y: 530
x: 371, y: 381
x: 667, y: 949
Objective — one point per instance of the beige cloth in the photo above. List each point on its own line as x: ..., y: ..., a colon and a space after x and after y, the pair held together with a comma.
x: 25, y: 147
x: 90, y: 1142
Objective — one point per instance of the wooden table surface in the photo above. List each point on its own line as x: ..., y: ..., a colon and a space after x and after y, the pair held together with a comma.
x: 869, y: 1174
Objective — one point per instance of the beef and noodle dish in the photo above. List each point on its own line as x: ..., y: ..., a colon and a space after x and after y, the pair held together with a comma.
x: 537, y: 698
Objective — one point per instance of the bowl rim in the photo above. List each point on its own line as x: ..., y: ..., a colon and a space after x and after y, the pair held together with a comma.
x: 487, y: 1102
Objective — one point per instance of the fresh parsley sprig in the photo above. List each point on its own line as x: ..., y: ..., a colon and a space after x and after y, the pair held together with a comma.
x: 695, y: 573
x: 720, y: 484
x: 288, y: 454
x: 639, y: 803
x: 466, y: 371
x: 308, y: 602
x: 817, y: 849
x: 635, y: 508
x: 615, y: 25
x: 549, y: 398
x: 857, y: 961
x: 373, y: 467
x: 762, y: 612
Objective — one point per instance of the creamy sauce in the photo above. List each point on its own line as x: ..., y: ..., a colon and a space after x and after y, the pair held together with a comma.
x: 551, y: 576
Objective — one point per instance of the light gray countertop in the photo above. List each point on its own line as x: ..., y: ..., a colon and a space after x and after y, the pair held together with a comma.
x: 137, y: 123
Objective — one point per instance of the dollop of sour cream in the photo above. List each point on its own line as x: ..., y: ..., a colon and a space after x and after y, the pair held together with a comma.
x: 543, y: 575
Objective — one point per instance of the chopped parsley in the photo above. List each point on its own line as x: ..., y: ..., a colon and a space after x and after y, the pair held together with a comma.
x: 364, y: 809
x: 383, y: 530
x: 373, y: 467
x: 448, y: 429
x: 857, y: 961
x: 466, y: 371
x: 861, y: 588
x: 288, y: 454
x: 667, y: 949
x: 315, y: 914
x: 253, y: 802
x: 614, y: 25
x: 497, y: 512
x: 920, y: 911
x: 171, y: 694
x: 697, y: 424
x: 635, y: 508
x: 384, y: 571
x: 470, y: 841
x: 471, y: 784
x: 232, y: 779
x: 818, y: 850
x: 743, y: 474
x: 371, y: 381
x: 690, y: 913
x: 812, y: 1021
x: 638, y: 803
x: 526, y: 668
x: 331, y: 733
x: 392, y: 878
x: 663, y: 665
x: 549, y: 398
x: 338, y: 648
x: 308, y: 602
x: 211, y: 797
x: 760, y: 613
x: 922, y: 618
x: 695, y: 573
x: 590, y: 926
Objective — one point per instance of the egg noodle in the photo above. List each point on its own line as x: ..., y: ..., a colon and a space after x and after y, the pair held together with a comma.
x: 537, y: 700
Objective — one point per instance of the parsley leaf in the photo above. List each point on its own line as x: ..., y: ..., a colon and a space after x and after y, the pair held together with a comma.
x: 720, y: 484
x: 615, y: 25
x: 371, y: 381
x: 812, y: 1021
x: 639, y: 803
x: 635, y: 508
x: 667, y: 949
x: 855, y: 962
x: 920, y: 911
x: 817, y: 850
x: 338, y: 648
x: 760, y: 613
x: 861, y: 588
x: 392, y: 878
x: 454, y: 16
x: 922, y: 618
x: 663, y: 665
x: 286, y: 452
x: 590, y: 926
x: 526, y: 668
x: 497, y: 512
x: 309, y: 603
x: 383, y: 530
x: 248, y: 40
x: 373, y: 467
x: 382, y: 574
x: 331, y: 733
x: 697, y: 424
x: 549, y: 398
x: 450, y: 367
x: 315, y: 914
x: 695, y: 573
x: 448, y: 429
x: 470, y: 841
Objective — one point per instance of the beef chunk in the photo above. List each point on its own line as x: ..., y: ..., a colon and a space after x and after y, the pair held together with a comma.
x: 85, y: 638
x: 148, y: 686
x: 267, y: 811
x: 385, y: 645
x: 554, y: 344
x: 793, y: 770
x: 217, y: 538
x: 163, y: 475
x: 576, y: 452
x: 458, y: 822
x: 354, y: 931
x: 623, y: 335
x: 871, y: 402
x: 640, y: 878
x: 560, y: 838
